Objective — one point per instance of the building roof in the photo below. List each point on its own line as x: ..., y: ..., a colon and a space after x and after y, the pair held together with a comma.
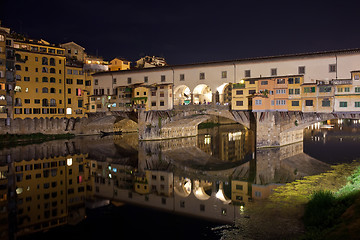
x: 72, y: 43
x: 266, y: 58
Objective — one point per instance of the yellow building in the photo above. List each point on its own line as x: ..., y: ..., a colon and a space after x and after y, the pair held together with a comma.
x: 309, y: 97
x: 39, y: 90
x: 325, y: 96
x: 76, y: 95
x: 3, y: 104
x: 119, y: 64
x: 242, y: 94
x: 140, y: 97
x: 294, y: 92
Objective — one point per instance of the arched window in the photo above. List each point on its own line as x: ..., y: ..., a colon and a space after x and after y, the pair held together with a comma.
x: 45, y: 90
x: 44, y: 61
x: 52, y: 70
x: 52, y: 61
x: 52, y: 80
x: 52, y: 102
x: 44, y: 69
x: 44, y: 79
x: 45, y: 102
x: 52, y: 90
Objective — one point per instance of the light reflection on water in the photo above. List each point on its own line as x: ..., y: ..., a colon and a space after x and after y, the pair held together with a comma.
x: 211, y: 176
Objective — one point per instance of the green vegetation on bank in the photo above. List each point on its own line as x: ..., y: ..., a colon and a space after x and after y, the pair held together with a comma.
x: 11, y: 140
x: 324, y: 213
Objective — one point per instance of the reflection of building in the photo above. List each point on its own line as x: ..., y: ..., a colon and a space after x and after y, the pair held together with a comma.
x: 263, y: 191
x: 240, y: 191
x: 4, y: 215
x: 50, y: 192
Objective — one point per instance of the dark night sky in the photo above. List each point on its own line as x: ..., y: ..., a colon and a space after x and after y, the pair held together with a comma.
x: 188, y: 31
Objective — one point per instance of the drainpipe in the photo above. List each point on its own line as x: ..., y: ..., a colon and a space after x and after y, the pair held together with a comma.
x: 173, y: 78
x: 336, y: 66
x: 234, y: 72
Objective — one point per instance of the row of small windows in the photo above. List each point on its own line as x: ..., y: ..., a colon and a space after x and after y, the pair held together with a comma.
x: 44, y: 79
x: 44, y: 60
x: 39, y: 111
x: 39, y: 49
x: 74, y: 72
x: 45, y: 102
x: 44, y: 69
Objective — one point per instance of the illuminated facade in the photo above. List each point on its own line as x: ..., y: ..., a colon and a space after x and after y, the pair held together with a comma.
x: 39, y: 90
x: 347, y: 93
x: 76, y: 95
x: 118, y: 64
x: 242, y: 94
x: 4, y: 33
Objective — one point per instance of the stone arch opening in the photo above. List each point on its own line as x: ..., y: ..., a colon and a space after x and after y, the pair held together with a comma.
x: 202, y: 94
x: 182, y: 95
x: 223, y: 94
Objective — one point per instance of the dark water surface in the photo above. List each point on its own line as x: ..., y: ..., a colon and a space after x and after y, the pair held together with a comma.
x: 118, y: 187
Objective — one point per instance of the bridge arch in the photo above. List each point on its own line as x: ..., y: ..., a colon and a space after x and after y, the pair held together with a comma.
x: 182, y: 95
x: 202, y: 94
x: 223, y: 93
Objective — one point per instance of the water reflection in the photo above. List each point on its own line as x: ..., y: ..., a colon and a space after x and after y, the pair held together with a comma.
x: 333, y: 141
x: 211, y: 176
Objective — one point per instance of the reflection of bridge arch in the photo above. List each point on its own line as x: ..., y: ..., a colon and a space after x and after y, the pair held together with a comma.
x: 202, y: 94
x: 304, y: 120
x: 182, y: 95
x: 220, y: 194
x: 201, y: 188
x: 182, y: 187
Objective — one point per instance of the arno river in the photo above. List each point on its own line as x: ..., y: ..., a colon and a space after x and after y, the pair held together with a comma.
x: 117, y: 187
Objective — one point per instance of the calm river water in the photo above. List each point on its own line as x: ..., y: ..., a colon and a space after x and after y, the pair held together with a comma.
x: 118, y: 187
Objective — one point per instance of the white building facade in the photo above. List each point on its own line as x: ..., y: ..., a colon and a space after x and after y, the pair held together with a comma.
x: 203, y: 83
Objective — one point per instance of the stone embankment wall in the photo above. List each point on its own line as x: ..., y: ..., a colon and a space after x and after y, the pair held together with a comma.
x: 78, y: 126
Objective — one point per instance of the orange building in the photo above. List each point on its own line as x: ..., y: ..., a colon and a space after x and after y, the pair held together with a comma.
x: 273, y: 94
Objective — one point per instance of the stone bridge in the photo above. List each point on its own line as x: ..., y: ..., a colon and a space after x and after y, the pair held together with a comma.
x: 273, y: 129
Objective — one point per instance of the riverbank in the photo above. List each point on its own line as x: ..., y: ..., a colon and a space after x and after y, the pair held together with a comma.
x: 281, y: 215
x: 12, y: 140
